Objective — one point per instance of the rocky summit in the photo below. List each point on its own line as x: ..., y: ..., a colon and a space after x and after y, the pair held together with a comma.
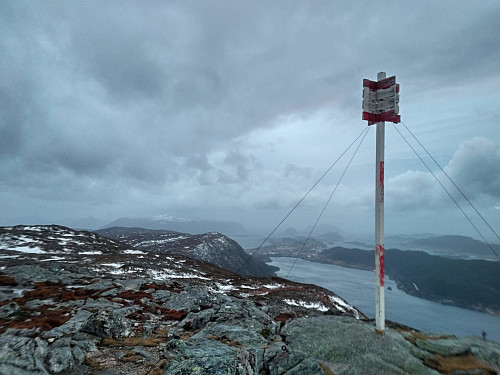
x: 77, y: 303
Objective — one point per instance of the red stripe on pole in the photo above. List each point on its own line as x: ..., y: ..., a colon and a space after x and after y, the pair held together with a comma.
x: 381, y: 181
x: 380, y: 254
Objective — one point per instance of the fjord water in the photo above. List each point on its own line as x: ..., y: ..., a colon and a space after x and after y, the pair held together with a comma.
x: 358, y: 288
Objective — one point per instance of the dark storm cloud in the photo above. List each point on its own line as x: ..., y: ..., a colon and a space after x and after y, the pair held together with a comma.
x: 117, y: 51
x: 135, y: 97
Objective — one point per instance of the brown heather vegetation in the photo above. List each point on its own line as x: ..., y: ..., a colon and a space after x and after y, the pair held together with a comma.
x: 134, y: 296
x: 7, y: 280
x: 133, y: 341
x: 456, y: 364
x: 283, y: 318
x: 43, y: 317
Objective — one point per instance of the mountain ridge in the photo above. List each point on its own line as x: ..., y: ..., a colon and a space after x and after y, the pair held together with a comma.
x: 172, y: 223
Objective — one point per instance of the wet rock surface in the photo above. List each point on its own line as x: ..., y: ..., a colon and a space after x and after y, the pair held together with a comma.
x: 124, y: 311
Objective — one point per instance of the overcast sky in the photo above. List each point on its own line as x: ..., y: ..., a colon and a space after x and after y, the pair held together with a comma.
x: 231, y: 110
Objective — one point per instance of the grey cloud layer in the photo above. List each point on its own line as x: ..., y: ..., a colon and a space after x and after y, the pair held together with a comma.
x: 135, y: 95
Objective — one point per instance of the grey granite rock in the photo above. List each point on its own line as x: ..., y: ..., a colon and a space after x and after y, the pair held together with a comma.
x: 211, y: 357
x: 107, y: 324
x: 351, y: 346
x: 9, y: 310
x: 191, y: 299
x: 444, y: 347
x: 22, y: 355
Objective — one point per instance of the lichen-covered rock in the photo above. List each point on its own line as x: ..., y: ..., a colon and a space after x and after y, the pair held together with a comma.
x: 444, y: 346
x: 197, y: 320
x: 9, y: 310
x: 191, y: 299
x: 210, y: 357
x: 65, y: 360
x: 22, y: 355
x: 72, y: 326
x: 107, y: 324
x: 349, y: 346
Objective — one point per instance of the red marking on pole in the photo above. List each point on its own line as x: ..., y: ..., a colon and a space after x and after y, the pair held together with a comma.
x: 390, y: 116
x: 381, y: 177
x: 380, y: 255
x: 382, y: 265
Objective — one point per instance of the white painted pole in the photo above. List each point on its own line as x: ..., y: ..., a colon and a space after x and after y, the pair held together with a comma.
x: 379, y: 225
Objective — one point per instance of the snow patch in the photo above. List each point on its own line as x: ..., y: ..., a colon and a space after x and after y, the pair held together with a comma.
x: 51, y: 259
x: 272, y: 286
x: 115, y: 265
x: 138, y: 252
x: 27, y: 249
x: 249, y: 287
x: 343, y: 306
x: 307, y: 305
x: 164, y: 275
x: 225, y: 288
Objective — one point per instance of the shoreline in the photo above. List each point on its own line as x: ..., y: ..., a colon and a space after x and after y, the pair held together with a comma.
x: 404, y: 287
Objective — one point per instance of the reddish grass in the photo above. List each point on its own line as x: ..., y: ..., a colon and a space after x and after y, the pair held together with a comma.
x: 134, y: 296
x: 132, y: 341
x: 155, y: 286
x: 453, y: 364
x: 226, y: 341
x: 174, y: 314
x: 283, y: 318
x: 57, y: 291
x: 421, y: 336
x: 47, y: 319
x: 7, y: 280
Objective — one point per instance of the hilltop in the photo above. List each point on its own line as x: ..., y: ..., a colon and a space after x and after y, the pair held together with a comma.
x: 213, y: 247
x: 77, y: 303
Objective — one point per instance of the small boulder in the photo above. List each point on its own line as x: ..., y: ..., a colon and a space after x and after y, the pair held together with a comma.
x: 107, y: 324
x: 9, y: 310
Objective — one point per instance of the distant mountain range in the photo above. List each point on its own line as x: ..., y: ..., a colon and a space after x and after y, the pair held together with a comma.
x: 171, y: 223
x: 445, y: 245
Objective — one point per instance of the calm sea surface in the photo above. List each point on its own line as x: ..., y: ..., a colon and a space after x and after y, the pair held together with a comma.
x: 358, y: 288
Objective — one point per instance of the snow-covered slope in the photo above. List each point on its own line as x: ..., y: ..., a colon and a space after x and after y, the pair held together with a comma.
x: 211, y: 247
x: 55, y: 253
x: 50, y: 239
